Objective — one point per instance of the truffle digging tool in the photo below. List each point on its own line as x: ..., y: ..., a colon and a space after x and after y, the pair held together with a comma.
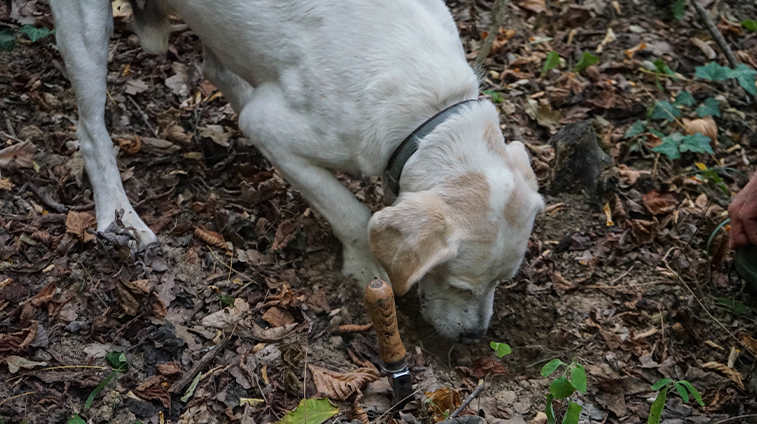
x: 379, y: 299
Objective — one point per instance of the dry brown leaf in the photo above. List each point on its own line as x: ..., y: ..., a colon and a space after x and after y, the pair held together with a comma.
x: 152, y: 389
x: 442, y: 402
x: 706, y: 49
x: 285, y: 233
x: 658, y: 203
x: 749, y: 343
x: 216, y: 133
x: 731, y: 373
x: 19, y: 155
x: 16, y: 342
x: 5, y: 184
x: 15, y: 363
x: 169, y: 368
x: 360, y: 413
x: 629, y: 176
x: 484, y: 367
x: 272, y: 334
x: 277, y: 317
x: 706, y: 126
x: 210, y: 237
x: 339, y: 386
x: 77, y: 224
x: 353, y: 328
x: 536, y: 6
x: 632, y: 51
x: 227, y: 318
x: 130, y: 146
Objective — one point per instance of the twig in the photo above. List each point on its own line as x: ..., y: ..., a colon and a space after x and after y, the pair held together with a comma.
x: 47, y: 200
x: 707, y: 21
x: 12, y: 137
x: 143, y: 115
x: 468, y: 400
x: 498, y: 16
x: 18, y: 396
x: 181, y: 383
x: 735, y: 418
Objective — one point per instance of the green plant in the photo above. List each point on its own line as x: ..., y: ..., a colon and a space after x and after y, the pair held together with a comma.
x: 572, y: 379
x: 750, y: 25
x: 501, y: 349
x: 678, y: 8
x: 551, y: 62
x: 495, y: 95
x: 743, y: 74
x: 118, y: 361
x: 8, y: 40
x: 587, y: 59
x: 684, y: 389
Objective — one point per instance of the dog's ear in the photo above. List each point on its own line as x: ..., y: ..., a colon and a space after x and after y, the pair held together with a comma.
x: 411, y: 238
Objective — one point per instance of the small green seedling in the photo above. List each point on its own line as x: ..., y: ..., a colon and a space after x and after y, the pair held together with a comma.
x: 501, y: 349
x: 587, y: 59
x: 495, y: 95
x: 118, y: 361
x: 573, y: 378
x: 551, y: 62
x: 684, y: 389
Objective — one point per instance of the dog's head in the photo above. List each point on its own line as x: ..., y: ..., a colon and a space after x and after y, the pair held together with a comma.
x: 459, y: 238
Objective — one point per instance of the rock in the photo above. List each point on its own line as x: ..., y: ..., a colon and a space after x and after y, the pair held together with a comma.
x: 580, y: 164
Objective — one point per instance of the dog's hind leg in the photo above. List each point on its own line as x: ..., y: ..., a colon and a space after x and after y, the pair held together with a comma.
x: 235, y: 89
x: 83, y: 28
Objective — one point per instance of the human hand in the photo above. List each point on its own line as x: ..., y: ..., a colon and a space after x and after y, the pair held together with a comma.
x: 743, y: 214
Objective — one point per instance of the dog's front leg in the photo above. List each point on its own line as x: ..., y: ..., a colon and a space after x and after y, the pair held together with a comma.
x: 280, y: 133
x: 83, y: 28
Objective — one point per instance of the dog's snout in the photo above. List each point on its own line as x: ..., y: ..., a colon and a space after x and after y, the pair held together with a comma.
x: 472, y: 336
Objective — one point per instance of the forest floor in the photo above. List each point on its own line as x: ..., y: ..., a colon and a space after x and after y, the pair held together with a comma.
x: 646, y: 298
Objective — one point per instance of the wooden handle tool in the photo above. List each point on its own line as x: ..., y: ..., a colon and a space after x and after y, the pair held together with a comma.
x: 379, y: 299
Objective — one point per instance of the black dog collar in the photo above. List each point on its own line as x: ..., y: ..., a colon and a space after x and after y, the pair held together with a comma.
x: 410, y: 145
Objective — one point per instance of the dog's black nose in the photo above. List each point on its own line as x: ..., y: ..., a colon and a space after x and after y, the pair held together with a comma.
x: 472, y: 336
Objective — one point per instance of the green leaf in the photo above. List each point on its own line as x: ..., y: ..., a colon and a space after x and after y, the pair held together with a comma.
x: 665, y: 110
x: 745, y: 76
x: 578, y: 378
x: 7, y: 40
x: 709, y: 107
x: 191, y: 389
x: 749, y: 25
x: 682, y: 392
x: 117, y: 360
x: 587, y: 59
x: 76, y: 419
x: 735, y: 307
x: 714, y: 72
x: 550, y: 412
x: 98, y: 389
x: 660, y: 383
x: 637, y: 128
x: 33, y: 33
x: 655, y: 412
x: 561, y: 388
x: 669, y: 146
x: 310, y: 411
x: 501, y: 349
x: 495, y: 95
x: 684, y: 98
x: 693, y: 392
x: 697, y: 143
x: 663, y: 67
x: 551, y: 367
x: 572, y: 414
x: 551, y: 62
x: 678, y: 8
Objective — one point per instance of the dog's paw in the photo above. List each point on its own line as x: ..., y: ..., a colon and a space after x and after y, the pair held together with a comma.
x: 362, y: 267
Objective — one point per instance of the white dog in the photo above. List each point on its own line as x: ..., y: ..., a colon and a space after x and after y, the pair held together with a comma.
x: 342, y: 84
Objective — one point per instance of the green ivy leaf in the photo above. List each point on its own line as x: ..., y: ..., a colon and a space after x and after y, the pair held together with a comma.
x: 572, y: 414
x: 310, y: 411
x: 697, y: 143
x: 501, y: 349
x: 33, y: 33
x: 637, y: 128
x: 551, y: 62
x: 7, y: 40
x: 551, y: 367
x: 684, y: 98
x: 550, y: 412
x: 682, y: 392
x: 693, y: 392
x: 665, y: 110
x: 749, y: 25
x: 745, y: 76
x: 669, y: 147
x: 678, y: 8
x: 655, y: 412
x: 660, y: 383
x: 76, y: 419
x: 578, y: 378
x: 709, y: 107
x: 561, y: 388
x: 587, y: 59
x: 714, y: 72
